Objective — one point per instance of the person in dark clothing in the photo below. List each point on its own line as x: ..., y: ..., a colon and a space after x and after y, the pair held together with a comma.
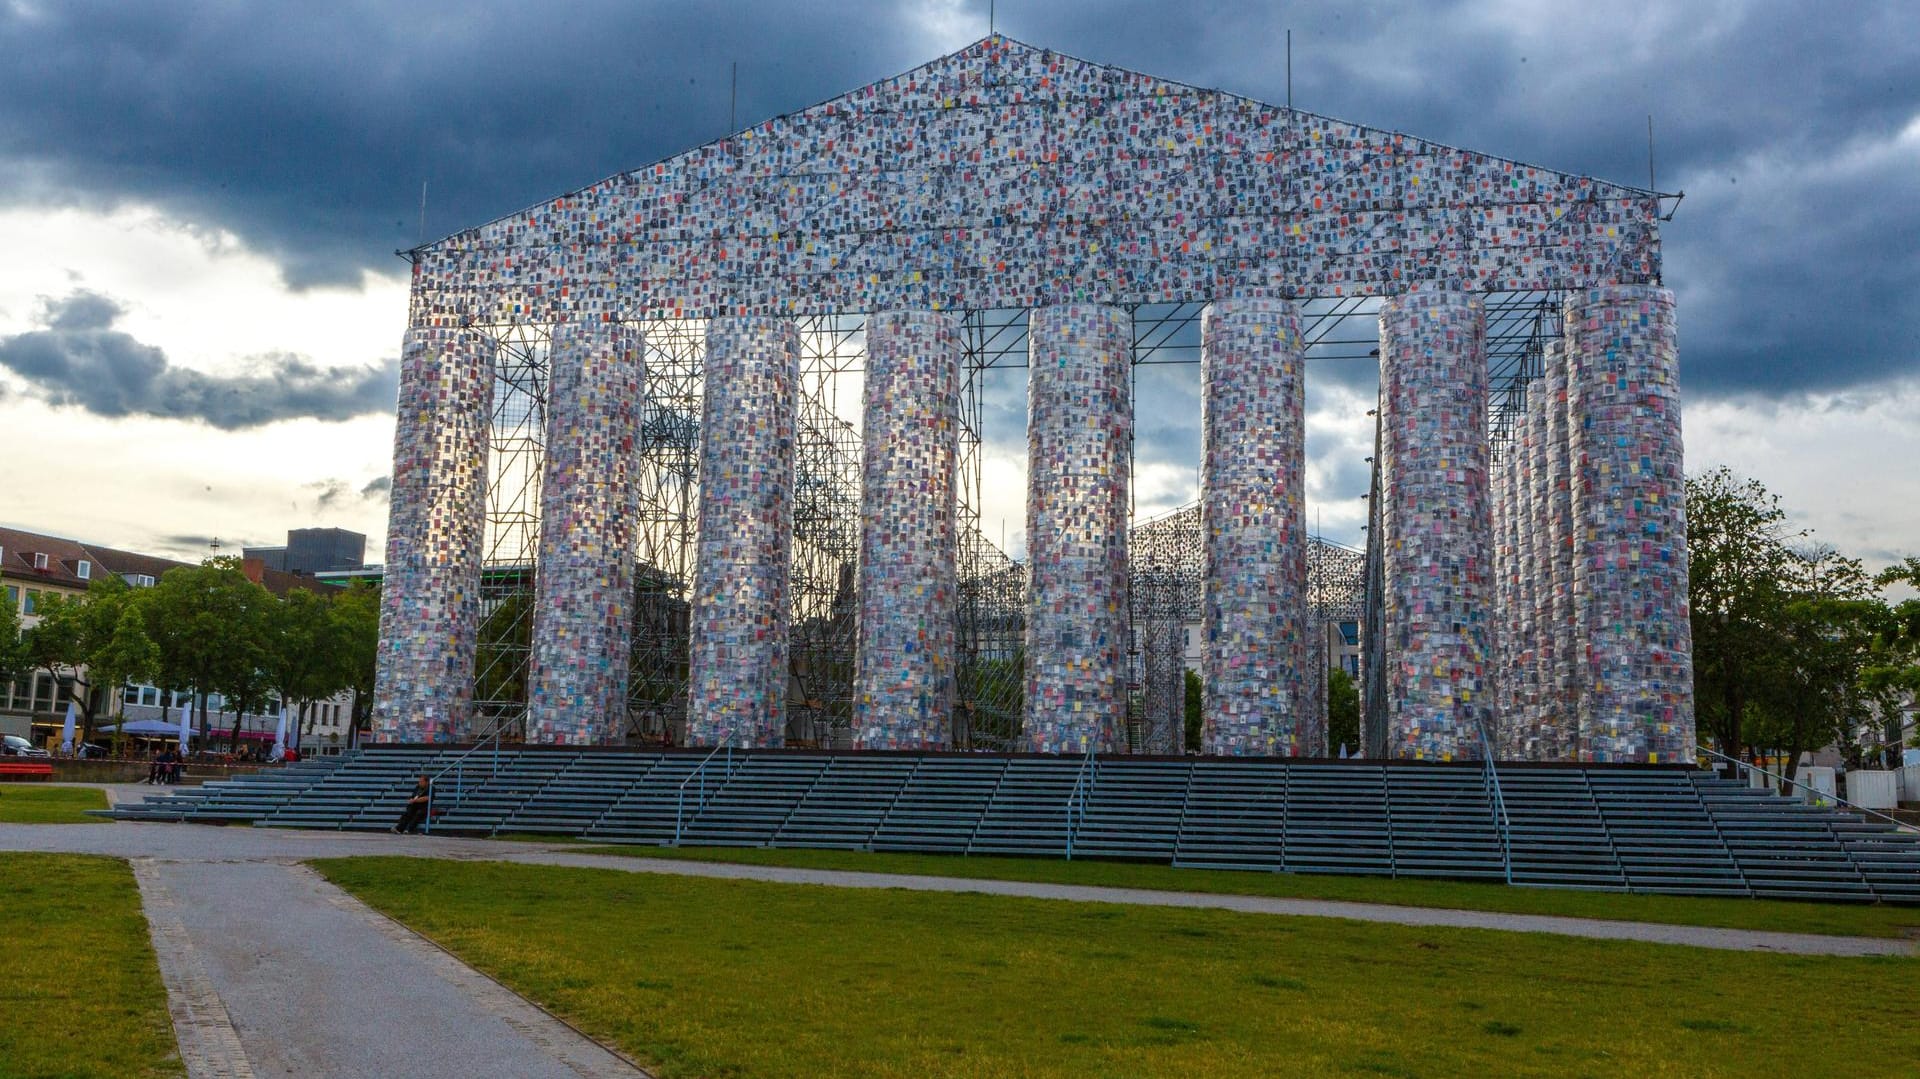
x: 416, y: 812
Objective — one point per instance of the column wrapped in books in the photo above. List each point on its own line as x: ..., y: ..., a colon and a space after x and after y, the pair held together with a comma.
x: 737, y: 677
x: 1629, y: 524
x: 430, y: 596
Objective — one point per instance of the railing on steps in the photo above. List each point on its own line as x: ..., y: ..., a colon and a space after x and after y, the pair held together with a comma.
x: 893, y: 804
x: 1706, y: 811
x: 699, y: 774
x: 458, y: 768
x: 1606, y: 830
x: 1832, y: 834
x: 812, y: 785
x: 1851, y: 806
x: 1490, y: 780
x: 1077, y: 800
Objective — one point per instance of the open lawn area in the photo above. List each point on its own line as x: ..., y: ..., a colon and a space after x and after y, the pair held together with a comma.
x: 80, y: 993
x: 716, y: 977
x: 21, y: 804
x: 1773, y: 915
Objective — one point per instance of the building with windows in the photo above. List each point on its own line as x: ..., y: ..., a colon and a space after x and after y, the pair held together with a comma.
x: 310, y: 551
x: 35, y: 567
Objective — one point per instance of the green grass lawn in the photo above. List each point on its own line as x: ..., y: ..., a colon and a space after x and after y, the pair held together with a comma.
x: 1780, y: 916
x: 21, y: 804
x: 80, y: 993
x: 696, y: 976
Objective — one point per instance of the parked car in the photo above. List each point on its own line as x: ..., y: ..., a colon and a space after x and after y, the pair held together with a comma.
x: 12, y: 745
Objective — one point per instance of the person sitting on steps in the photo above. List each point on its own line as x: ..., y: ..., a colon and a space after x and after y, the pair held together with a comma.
x: 416, y: 812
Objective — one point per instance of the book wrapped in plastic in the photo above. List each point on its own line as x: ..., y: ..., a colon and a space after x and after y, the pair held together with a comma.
x: 1437, y: 541
x: 430, y: 597
x: 1079, y: 429
x: 1629, y: 521
x: 1163, y: 688
x: 904, y: 670
x: 1253, y: 499
x: 1560, y: 685
x: 583, y: 610
x: 737, y: 674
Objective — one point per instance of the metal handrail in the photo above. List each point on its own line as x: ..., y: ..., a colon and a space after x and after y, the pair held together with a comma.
x: 1076, y: 801
x: 700, y: 773
x: 459, y: 786
x: 1854, y: 806
x: 1502, y: 823
x: 894, y: 803
x: 1712, y: 819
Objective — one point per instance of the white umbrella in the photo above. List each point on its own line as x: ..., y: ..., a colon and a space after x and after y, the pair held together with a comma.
x: 186, y: 724
x: 280, y: 735
x: 66, y: 732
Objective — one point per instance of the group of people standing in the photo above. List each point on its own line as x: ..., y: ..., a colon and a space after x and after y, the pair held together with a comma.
x: 165, y: 767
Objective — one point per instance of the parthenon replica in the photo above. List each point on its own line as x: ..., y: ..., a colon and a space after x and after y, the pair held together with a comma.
x: 627, y: 498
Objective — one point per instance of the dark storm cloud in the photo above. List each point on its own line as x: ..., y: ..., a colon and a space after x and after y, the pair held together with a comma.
x: 80, y: 360
x: 377, y: 489
x: 308, y: 129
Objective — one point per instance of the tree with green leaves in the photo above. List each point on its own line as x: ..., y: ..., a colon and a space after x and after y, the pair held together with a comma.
x: 307, y: 658
x: 53, y: 645
x: 1808, y: 686
x: 1343, y: 710
x: 13, y: 652
x: 74, y: 643
x: 356, y: 613
x: 128, y: 655
x: 209, y: 626
x: 1739, y: 560
x: 1891, y: 677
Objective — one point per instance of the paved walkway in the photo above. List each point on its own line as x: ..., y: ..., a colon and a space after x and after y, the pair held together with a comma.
x: 272, y: 971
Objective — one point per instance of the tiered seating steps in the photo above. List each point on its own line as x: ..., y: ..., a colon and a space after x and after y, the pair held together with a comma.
x: 1607, y: 827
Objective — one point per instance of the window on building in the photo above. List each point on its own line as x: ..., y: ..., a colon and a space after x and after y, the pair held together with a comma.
x: 13, y: 597
x: 33, y: 602
x: 83, y: 569
x: 39, y: 560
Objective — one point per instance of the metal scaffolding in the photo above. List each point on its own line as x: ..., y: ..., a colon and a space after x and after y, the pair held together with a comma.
x: 1165, y: 559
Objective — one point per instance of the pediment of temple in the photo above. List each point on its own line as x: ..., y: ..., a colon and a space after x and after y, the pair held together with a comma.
x: 1007, y: 176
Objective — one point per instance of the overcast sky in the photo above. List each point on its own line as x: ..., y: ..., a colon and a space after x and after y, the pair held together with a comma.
x: 200, y: 305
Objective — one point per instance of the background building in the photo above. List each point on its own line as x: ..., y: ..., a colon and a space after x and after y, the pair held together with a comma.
x: 309, y: 551
x: 35, y: 566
